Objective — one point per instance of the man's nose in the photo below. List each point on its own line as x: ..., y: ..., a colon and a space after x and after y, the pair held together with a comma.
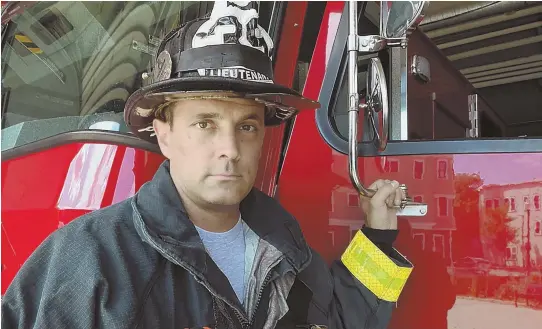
x: 228, y: 142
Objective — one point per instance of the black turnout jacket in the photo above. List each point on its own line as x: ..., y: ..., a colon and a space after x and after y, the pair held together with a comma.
x: 141, y: 264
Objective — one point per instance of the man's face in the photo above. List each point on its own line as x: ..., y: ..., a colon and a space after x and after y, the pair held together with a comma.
x: 214, y: 148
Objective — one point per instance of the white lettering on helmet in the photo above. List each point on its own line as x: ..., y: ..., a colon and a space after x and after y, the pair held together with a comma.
x: 235, y: 73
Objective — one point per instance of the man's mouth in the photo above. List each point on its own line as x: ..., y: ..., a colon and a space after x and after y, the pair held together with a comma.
x: 226, y: 176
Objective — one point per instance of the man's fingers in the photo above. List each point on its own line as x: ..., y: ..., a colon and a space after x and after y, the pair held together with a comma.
x: 391, y: 200
x: 398, y: 197
x: 377, y: 184
x: 384, y: 191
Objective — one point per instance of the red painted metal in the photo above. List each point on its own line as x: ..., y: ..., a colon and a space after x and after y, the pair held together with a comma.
x: 304, y: 187
x: 47, y: 201
x: 471, y: 271
x: 286, y: 61
x: 465, y: 259
x: 46, y: 190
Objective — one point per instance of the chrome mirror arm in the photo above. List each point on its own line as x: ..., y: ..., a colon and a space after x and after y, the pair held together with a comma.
x: 353, y: 101
x: 355, y: 45
x: 375, y: 43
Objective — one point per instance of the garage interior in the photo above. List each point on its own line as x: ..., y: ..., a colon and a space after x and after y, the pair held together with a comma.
x: 497, y: 46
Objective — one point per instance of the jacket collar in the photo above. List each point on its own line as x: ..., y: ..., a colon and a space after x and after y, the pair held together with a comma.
x: 165, y: 222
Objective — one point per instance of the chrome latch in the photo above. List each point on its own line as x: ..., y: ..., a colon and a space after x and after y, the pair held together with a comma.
x: 409, y: 207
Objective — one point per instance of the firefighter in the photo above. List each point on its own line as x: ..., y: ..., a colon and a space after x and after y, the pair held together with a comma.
x: 198, y: 246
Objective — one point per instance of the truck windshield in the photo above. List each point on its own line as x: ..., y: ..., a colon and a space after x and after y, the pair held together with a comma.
x: 69, y: 66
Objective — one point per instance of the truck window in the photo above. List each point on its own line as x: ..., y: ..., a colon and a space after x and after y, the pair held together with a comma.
x: 70, y: 66
x: 468, y: 71
x: 338, y: 107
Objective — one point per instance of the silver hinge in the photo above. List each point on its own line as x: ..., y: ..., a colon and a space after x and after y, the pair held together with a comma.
x: 474, y: 131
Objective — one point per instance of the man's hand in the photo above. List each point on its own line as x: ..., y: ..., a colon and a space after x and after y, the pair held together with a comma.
x: 380, y: 210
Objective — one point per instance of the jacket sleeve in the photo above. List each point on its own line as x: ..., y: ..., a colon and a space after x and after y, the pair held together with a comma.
x: 367, y: 281
x: 55, y: 288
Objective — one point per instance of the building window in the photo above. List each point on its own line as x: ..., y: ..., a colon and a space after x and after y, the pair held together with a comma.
x: 418, y: 169
x: 496, y: 203
x: 512, y: 204
x: 392, y: 166
x: 417, y: 198
x: 438, y: 244
x: 442, y: 206
x: 536, y: 202
x: 353, y: 200
x: 511, y: 253
x: 420, y: 239
x: 489, y: 204
x: 537, y: 228
x: 442, y: 169
x: 332, y: 237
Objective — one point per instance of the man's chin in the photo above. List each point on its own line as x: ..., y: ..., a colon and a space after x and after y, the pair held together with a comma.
x: 227, y: 197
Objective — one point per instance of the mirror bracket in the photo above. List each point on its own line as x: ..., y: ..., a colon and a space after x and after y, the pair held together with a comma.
x: 375, y: 43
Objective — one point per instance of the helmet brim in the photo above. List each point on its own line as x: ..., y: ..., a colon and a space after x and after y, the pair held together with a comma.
x: 141, y: 105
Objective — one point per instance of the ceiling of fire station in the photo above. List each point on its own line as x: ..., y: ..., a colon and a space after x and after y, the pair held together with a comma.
x: 498, y: 48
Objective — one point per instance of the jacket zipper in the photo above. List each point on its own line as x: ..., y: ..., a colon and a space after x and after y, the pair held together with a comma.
x: 260, y: 293
x: 240, y: 317
x: 245, y: 323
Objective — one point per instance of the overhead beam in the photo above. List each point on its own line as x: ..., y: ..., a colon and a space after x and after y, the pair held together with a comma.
x: 489, y: 9
x: 507, y: 80
x: 484, y: 22
x: 506, y: 75
x: 494, y: 34
x: 494, y: 48
x: 512, y: 62
x: 504, y: 70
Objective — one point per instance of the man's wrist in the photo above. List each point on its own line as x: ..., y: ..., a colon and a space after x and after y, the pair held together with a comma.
x: 383, y: 239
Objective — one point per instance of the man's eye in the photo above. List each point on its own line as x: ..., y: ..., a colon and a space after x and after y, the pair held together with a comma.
x: 249, y: 128
x: 203, y: 124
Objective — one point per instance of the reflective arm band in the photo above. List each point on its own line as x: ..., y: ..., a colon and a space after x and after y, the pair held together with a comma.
x: 374, y: 269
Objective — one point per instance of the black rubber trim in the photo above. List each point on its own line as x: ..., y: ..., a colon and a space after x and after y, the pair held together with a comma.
x: 275, y: 28
x: 465, y: 146
x: 83, y: 136
x: 329, y: 91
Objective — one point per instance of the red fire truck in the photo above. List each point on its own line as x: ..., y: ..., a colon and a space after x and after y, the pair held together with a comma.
x: 450, y: 107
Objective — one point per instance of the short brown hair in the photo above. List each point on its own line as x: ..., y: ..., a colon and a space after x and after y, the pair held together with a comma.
x: 164, y: 113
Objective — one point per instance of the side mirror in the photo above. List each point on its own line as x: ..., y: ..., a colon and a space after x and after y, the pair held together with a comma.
x: 397, y: 19
x: 376, y: 101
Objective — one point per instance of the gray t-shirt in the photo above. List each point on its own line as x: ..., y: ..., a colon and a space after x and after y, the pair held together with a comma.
x: 227, y: 250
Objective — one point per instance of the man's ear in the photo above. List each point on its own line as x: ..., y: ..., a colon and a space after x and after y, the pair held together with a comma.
x: 162, y: 131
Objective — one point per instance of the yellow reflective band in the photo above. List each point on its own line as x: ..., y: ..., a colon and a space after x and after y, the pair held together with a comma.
x: 374, y: 269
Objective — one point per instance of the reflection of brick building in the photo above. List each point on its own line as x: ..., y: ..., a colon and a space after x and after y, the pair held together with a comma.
x: 429, y: 179
x: 525, y: 211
